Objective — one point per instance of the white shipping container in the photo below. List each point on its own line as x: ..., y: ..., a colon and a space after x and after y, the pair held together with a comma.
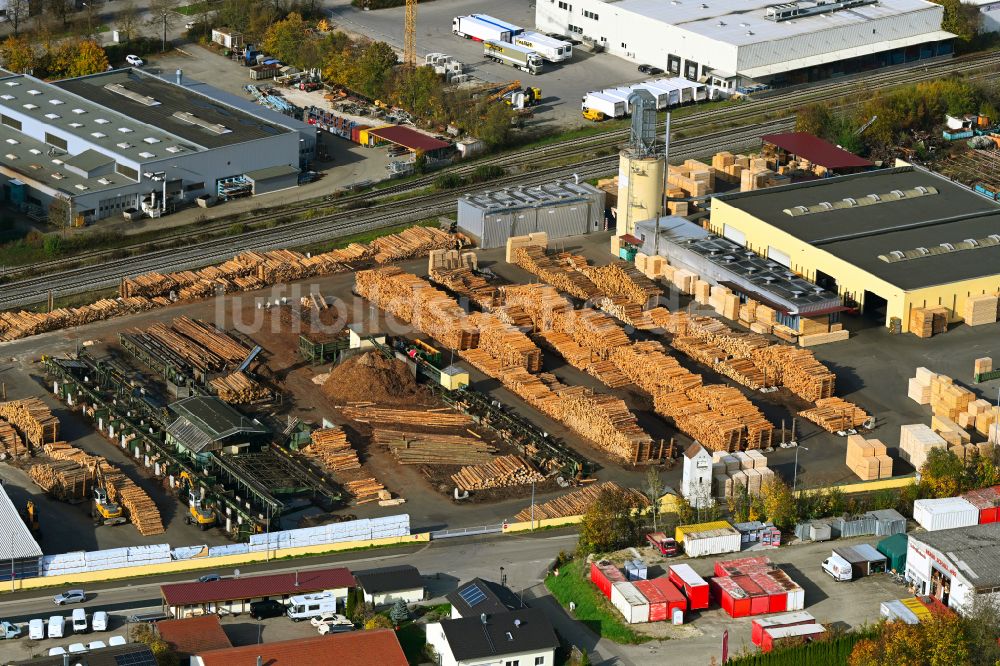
x: 945, y: 514
x: 795, y: 599
x: 473, y: 27
x: 711, y: 542
x: 630, y: 602
x: 609, y: 106
x: 550, y: 48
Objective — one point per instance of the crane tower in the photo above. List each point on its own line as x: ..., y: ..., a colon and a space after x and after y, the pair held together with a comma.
x: 410, y: 34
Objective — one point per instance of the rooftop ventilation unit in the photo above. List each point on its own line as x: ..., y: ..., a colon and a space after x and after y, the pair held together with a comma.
x: 119, y: 89
x: 971, y: 241
x: 948, y: 246
x: 190, y: 118
x: 851, y: 202
x: 791, y: 10
x: 826, y: 204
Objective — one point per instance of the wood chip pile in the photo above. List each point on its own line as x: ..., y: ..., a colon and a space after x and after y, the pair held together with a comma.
x: 558, y: 271
x: 33, y: 419
x: 412, y: 448
x: 577, y: 502
x: 330, y: 450
x: 467, y: 284
x: 501, y: 472
x: 240, y: 389
x: 835, y: 414
x: 11, y: 444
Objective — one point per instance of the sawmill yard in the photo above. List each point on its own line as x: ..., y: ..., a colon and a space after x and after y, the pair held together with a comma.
x: 384, y: 438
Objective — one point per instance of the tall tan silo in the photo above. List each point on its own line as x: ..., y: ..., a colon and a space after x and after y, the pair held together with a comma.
x: 640, y: 190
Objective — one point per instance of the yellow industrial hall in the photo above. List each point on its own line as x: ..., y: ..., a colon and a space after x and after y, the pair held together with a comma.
x: 886, y: 241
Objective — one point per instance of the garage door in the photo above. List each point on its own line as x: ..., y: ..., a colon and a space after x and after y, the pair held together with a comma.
x: 780, y: 257
x: 734, y: 234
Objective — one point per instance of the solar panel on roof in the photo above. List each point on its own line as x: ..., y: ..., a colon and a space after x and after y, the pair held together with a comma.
x: 472, y: 595
x: 144, y: 658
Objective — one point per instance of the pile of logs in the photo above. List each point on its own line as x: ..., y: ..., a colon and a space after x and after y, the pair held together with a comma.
x: 835, y: 414
x: 509, y: 346
x: 239, y: 389
x: 541, y: 303
x: 65, y: 480
x: 218, y: 342
x: 621, y: 278
x: 330, y: 450
x: 798, y: 370
x: 558, y: 271
x: 365, y: 490
x: 385, y: 416
x: 411, y: 448
x: 11, y: 445
x: 137, y: 504
x: 33, y: 419
x: 577, y: 502
x: 22, y: 324
x: 466, y: 284
x: 413, y: 242
x: 502, y: 472
x: 192, y: 352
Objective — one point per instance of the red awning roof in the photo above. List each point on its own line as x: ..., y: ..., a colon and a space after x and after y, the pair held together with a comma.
x: 408, y: 138
x: 194, y: 635
x: 816, y: 150
x: 255, y: 587
x: 358, y: 648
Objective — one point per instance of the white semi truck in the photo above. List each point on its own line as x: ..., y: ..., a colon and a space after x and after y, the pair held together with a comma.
x: 550, y: 48
x: 482, y: 28
x: 611, y: 107
x: 514, y: 55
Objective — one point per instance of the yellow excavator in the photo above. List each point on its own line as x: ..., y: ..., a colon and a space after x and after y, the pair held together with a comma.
x: 30, y: 516
x: 201, y: 516
x: 106, y: 512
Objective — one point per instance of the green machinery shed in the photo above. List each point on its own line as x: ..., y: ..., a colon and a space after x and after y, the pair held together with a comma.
x: 894, y: 547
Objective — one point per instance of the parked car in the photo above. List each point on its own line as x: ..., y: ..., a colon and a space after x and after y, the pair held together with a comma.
x: 116, y: 640
x: 326, y: 618
x: 335, y: 625
x: 36, y: 629
x: 151, y: 616
x: 266, y: 608
x: 9, y: 630
x: 57, y: 651
x: 70, y: 597
x: 190, y: 24
x: 649, y: 69
x: 76, y: 648
x: 96, y: 645
x: 100, y: 621
x: 134, y: 60
x: 209, y: 578
x: 80, y: 624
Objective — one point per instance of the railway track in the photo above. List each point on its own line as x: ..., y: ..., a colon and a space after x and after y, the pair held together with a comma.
x: 305, y: 232
x: 784, y: 102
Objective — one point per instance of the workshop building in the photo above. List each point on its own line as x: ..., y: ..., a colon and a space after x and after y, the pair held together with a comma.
x: 885, y: 241
x: 20, y: 553
x: 234, y: 595
x: 410, y: 139
x: 387, y: 585
x: 560, y: 209
x: 205, y: 424
x: 125, y: 139
x: 818, y: 152
x: 734, y: 44
x: 956, y: 566
x: 379, y: 647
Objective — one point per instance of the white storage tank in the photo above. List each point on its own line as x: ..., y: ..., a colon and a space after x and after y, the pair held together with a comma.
x: 945, y: 514
x: 630, y: 602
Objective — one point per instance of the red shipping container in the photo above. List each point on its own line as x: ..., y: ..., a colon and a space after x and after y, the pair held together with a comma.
x: 693, y: 585
x: 665, y: 593
x: 787, y: 620
x: 777, y: 603
x: 759, y: 604
x: 743, y: 565
x: 732, y: 597
x: 603, y: 574
x: 657, y: 600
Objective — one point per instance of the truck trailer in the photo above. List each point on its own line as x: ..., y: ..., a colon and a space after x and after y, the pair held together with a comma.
x: 474, y: 27
x: 511, y: 54
x: 553, y: 50
x: 611, y: 107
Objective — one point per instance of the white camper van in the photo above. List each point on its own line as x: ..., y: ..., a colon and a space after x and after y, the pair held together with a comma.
x: 308, y: 606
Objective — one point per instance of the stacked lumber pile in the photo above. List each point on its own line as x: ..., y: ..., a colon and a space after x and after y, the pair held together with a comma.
x: 33, y: 419
x: 412, y: 242
x: 509, y: 346
x: 868, y: 458
x: 65, y: 480
x: 537, y: 239
x: 980, y: 310
x: 542, y: 303
x: 738, y: 470
x: 729, y: 402
x: 835, y: 414
x: 137, y: 504
x: 190, y: 351
x: 918, y: 389
x: 925, y: 322
x: 240, y: 389
x: 411, y: 448
x: 982, y: 365
x: 625, y: 311
x: 593, y: 330
x: 950, y: 431
x: 365, y: 490
x: 949, y: 399
x: 916, y: 441
x: 502, y: 472
x: 11, y: 445
x: 219, y: 343
x: 21, y: 324
x: 330, y: 450
x: 558, y: 271
x: 577, y: 502
x: 647, y: 365
x: 621, y: 278
x: 448, y: 260
x: 796, y: 369
x: 385, y: 416
x: 577, y: 356
x: 414, y: 300
x: 466, y: 284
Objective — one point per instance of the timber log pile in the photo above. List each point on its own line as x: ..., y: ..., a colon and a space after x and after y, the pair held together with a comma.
x: 558, y: 271
x: 411, y: 448
x: 835, y: 414
x: 509, y: 346
x: 414, y: 242
x: 330, y: 450
x: 22, y: 324
x: 622, y: 278
x: 366, y: 490
x: 541, y: 304
x: 190, y: 351
x: 240, y: 389
x: 466, y: 284
x: 577, y: 502
x: 798, y: 370
x: 33, y: 419
x: 11, y: 445
x: 218, y: 342
x: 385, y: 416
x: 502, y: 472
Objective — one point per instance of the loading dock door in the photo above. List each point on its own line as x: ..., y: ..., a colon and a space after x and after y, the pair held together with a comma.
x: 734, y: 234
x: 777, y: 256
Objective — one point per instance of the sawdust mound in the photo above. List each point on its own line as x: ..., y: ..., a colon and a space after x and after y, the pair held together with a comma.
x: 371, y: 377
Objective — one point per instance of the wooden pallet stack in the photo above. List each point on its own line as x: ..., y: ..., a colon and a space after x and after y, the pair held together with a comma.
x: 501, y: 472
x: 558, y: 271
x: 835, y: 414
x: 365, y: 490
x: 621, y: 278
x: 11, y: 445
x: 868, y: 458
x: 218, y: 342
x: 411, y: 448
x: 916, y: 441
x: 240, y: 389
x: 577, y: 502
x: 509, y: 346
x: 329, y: 449
x: 980, y: 310
x: 33, y: 419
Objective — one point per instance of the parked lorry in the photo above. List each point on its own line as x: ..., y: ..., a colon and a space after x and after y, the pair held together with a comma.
x: 516, y: 56
x: 550, y: 48
x: 474, y: 27
x: 666, y: 546
x: 849, y: 562
x: 611, y: 107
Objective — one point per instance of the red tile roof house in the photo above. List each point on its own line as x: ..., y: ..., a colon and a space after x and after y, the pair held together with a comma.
x: 379, y: 647
x: 234, y: 595
x: 193, y: 635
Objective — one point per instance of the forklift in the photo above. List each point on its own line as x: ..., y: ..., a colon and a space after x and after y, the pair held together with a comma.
x: 30, y: 516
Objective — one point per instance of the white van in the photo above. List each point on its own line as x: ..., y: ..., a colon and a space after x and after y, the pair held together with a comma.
x: 100, y: 621
x: 57, y: 626
x: 307, y: 606
x: 80, y: 625
x: 838, y: 568
x: 36, y: 629
x: 116, y: 640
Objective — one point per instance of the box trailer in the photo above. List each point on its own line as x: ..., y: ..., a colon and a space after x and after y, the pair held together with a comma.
x: 665, y: 600
x: 695, y: 587
x: 516, y: 56
x: 550, y: 48
x: 604, y: 575
x: 609, y: 106
x: 630, y: 602
x: 473, y: 27
x: 779, y: 635
x: 944, y: 514
x: 759, y: 624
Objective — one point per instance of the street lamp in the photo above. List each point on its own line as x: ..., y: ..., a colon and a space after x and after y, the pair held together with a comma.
x: 795, y: 473
x: 159, y: 176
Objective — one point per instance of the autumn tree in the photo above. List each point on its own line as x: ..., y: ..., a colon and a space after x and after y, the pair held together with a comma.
x: 127, y: 21
x: 90, y: 58
x: 284, y: 38
x: 17, y: 13
x: 982, y: 631
x: 814, y: 119
x: 164, y: 654
x: 942, y: 472
x: 379, y: 621
x: 940, y: 640
x: 654, y: 491
x: 18, y: 55
x: 778, y: 502
x: 59, y: 9
x: 609, y: 523
x: 963, y: 19
x: 738, y: 502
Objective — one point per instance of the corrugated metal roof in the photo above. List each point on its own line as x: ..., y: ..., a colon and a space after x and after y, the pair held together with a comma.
x: 255, y: 587
x: 816, y: 150
x: 408, y: 138
x: 16, y: 541
x: 188, y: 434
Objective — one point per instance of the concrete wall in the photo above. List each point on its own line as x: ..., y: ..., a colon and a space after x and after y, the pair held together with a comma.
x: 389, y: 598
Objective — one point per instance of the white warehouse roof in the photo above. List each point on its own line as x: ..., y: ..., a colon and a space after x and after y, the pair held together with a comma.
x: 17, y: 542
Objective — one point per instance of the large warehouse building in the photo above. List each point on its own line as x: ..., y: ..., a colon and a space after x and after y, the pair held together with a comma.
x: 887, y: 241
x: 107, y: 142
x: 734, y: 43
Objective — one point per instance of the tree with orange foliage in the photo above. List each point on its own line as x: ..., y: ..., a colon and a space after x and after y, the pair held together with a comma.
x: 18, y: 55
x: 90, y: 59
x: 939, y: 641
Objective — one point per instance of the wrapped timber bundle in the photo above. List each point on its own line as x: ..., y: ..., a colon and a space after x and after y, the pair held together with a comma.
x: 465, y: 283
x: 33, y: 419
x: 621, y: 278
x: 239, y: 389
x: 501, y: 472
x: 330, y: 450
x: 411, y: 448
x: 509, y: 346
x: 577, y: 502
x: 557, y: 271
x: 835, y: 414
